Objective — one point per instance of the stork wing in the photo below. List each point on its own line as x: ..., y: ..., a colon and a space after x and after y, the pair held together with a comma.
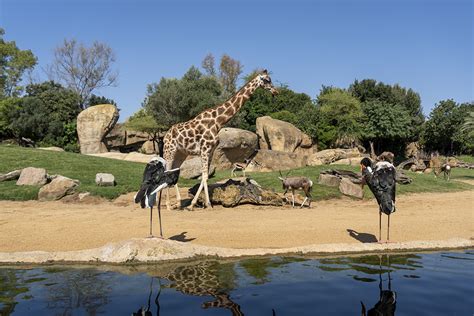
x: 382, y: 184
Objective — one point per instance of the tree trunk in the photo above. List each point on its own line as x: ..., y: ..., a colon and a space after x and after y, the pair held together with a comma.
x: 372, y: 151
x: 12, y: 175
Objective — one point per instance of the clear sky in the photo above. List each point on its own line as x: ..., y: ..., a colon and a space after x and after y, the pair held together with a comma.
x: 421, y: 44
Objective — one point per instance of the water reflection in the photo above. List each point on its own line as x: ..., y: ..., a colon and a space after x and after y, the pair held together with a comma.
x: 387, y: 301
x: 370, y: 285
x: 207, y: 278
x: 142, y: 311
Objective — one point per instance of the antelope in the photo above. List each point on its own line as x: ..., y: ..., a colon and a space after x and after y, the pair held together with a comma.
x: 239, y: 166
x: 297, y: 183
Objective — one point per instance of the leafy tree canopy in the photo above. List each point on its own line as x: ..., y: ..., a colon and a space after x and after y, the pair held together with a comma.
x: 14, y: 62
x: 176, y: 100
x: 46, y: 114
x: 443, y: 129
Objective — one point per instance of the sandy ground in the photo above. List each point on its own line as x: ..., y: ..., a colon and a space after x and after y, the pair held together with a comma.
x: 57, y: 226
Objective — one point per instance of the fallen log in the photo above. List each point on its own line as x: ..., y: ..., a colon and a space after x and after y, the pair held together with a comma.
x: 235, y: 192
x: 12, y: 175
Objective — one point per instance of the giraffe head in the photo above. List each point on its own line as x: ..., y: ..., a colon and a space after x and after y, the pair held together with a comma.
x: 264, y: 81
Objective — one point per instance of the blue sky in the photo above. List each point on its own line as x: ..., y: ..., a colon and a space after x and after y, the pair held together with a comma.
x: 421, y: 44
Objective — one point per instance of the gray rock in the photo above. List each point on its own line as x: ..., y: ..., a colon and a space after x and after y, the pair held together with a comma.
x: 347, y: 187
x: 272, y: 160
x: 57, y: 189
x: 93, y: 124
x: 52, y: 148
x: 281, y: 136
x: 105, y: 179
x: 32, y: 176
x: 329, y: 180
x: 191, y: 169
x: 235, y: 145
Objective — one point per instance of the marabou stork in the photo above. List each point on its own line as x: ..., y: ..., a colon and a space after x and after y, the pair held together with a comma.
x: 155, y: 179
x: 380, y: 178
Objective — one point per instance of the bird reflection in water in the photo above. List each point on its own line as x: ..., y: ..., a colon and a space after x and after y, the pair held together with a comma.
x: 387, y: 298
x: 147, y: 312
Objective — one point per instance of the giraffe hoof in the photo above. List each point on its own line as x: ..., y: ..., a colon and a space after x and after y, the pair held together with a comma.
x: 189, y: 208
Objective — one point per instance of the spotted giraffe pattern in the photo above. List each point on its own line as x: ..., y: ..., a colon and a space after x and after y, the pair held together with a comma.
x: 198, y: 136
x: 202, y: 280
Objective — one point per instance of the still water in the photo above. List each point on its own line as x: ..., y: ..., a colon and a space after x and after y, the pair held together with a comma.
x: 410, y: 284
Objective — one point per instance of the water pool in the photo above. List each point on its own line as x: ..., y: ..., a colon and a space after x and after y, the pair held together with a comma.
x: 439, y: 283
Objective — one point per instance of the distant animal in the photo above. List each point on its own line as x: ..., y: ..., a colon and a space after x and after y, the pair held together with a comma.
x: 297, y: 183
x: 446, y: 169
x: 239, y: 166
x: 155, y: 179
x: 380, y: 178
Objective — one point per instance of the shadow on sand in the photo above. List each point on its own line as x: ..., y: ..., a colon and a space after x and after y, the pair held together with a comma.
x: 362, y: 237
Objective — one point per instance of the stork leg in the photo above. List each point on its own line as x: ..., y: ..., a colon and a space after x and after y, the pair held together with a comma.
x: 159, y: 215
x: 151, y: 222
x: 388, y: 228
x: 380, y: 226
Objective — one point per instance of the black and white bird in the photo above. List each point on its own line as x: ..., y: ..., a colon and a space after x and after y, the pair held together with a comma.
x: 155, y: 179
x: 380, y: 178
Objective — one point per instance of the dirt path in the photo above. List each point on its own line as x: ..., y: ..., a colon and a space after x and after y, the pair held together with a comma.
x: 57, y: 226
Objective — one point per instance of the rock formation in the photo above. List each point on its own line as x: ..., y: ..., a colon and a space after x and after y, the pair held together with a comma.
x: 280, y: 136
x: 93, y: 124
x: 32, y: 176
x: 57, y: 189
x: 235, y: 145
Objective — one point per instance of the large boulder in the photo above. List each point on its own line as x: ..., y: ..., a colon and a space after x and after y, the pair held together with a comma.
x: 235, y: 145
x: 32, y: 176
x: 280, y: 136
x: 272, y: 160
x: 93, y: 124
x: 331, y: 155
x: 348, y: 161
x: 149, y: 147
x: 347, y: 187
x: 57, y: 189
x: 191, y: 169
x: 329, y: 180
x: 120, y: 139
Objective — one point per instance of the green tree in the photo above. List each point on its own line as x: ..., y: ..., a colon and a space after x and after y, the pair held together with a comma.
x: 7, y: 107
x: 229, y: 72
x: 371, y: 90
x: 177, y: 100
x: 14, y: 62
x: 387, y: 126
x: 341, y: 117
x: 144, y: 122
x: 443, y: 129
x: 96, y: 100
x: 47, y: 114
x: 262, y: 103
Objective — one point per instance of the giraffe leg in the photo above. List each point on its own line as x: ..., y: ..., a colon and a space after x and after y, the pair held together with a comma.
x: 178, y: 197
x: 206, y: 190
x: 196, y: 197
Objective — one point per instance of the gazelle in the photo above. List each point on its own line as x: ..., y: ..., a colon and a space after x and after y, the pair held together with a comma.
x: 297, y: 183
x: 239, y: 166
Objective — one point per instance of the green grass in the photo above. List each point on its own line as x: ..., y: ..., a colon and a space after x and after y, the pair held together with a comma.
x: 128, y: 175
x: 466, y: 158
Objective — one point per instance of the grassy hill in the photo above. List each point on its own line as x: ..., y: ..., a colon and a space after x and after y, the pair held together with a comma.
x: 128, y: 175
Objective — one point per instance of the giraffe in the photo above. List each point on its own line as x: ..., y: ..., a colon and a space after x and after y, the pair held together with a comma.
x: 198, y: 136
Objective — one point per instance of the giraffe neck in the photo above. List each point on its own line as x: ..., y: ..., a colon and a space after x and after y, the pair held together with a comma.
x: 233, y: 105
